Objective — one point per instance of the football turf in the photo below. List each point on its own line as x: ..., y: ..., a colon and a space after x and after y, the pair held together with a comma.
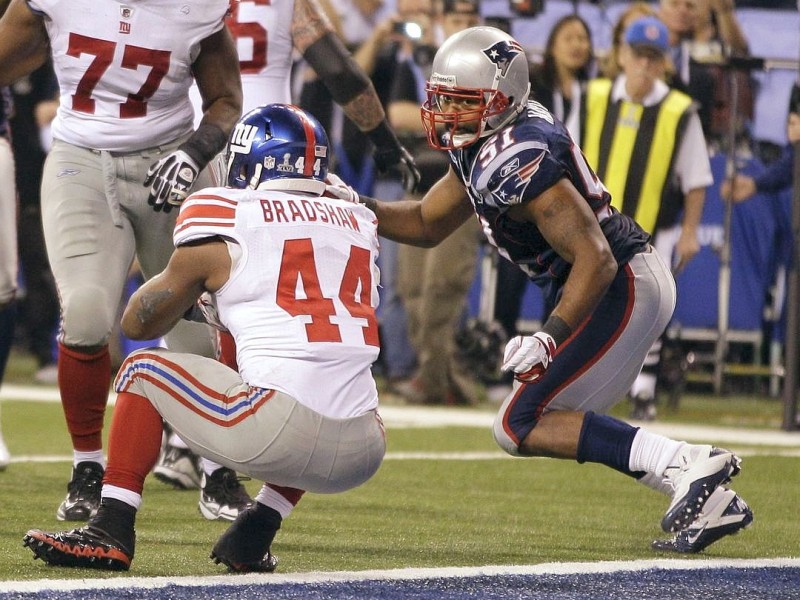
x: 445, y: 496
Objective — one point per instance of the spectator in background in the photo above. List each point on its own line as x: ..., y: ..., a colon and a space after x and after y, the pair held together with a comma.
x: 610, y: 66
x: 681, y: 18
x: 718, y: 37
x: 659, y: 168
x: 434, y: 282
x: 35, y: 102
x: 776, y: 177
x: 559, y: 82
x: 8, y: 247
x: 716, y: 21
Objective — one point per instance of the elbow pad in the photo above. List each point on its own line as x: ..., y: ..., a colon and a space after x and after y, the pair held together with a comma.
x: 336, y: 68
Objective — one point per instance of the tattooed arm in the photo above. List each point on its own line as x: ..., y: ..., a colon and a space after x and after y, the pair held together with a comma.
x: 314, y: 38
x: 160, y: 303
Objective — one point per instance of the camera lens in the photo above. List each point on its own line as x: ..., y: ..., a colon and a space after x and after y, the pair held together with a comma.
x: 413, y: 30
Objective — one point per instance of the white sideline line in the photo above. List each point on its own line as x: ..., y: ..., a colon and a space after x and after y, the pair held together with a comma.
x: 580, y: 568
x: 397, y: 417
x: 457, y: 456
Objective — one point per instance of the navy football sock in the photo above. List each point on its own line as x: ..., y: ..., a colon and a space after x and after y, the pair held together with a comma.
x: 607, y: 441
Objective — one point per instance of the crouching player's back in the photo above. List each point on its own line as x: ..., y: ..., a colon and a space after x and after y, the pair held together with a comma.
x: 292, y: 276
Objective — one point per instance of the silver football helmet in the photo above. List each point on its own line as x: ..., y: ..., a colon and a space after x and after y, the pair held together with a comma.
x: 479, y: 83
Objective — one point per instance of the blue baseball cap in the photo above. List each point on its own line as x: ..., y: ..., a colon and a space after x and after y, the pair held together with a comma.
x: 648, y: 31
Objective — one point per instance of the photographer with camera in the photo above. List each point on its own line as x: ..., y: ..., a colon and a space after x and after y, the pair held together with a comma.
x: 380, y: 56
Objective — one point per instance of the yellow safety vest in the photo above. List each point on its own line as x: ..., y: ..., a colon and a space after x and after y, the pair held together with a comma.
x: 632, y: 147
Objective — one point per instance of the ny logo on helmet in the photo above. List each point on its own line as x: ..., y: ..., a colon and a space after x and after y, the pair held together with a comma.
x: 502, y: 54
x: 242, y: 137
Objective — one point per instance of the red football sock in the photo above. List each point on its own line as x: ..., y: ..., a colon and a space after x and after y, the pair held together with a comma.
x: 134, y: 442
x: 292, y: 495
x: 227, y: 350
x: 84, y: 381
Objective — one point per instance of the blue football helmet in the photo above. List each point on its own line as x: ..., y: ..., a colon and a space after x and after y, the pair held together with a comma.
x: 276, y: 141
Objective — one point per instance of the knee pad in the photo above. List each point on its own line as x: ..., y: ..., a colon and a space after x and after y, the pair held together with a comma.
x: 502, y: 439
x: 88, y: 317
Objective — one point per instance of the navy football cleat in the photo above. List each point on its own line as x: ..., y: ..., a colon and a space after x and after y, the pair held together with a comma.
x: 700, y: 470
x: 725, y: 513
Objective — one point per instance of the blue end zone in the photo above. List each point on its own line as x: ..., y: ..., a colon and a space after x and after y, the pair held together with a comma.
x: 762, y: 583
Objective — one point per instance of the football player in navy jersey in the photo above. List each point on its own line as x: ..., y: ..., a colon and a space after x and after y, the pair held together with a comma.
x: 518, y: 170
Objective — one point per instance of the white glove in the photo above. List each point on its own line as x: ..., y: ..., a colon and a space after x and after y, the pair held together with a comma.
x: 337, y: 188
x: 529, y: 356
x: 170, y: 180
x: 205, y: 311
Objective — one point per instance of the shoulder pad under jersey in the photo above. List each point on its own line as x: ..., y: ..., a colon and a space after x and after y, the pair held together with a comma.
x: 516, y: 165
x: 207, y: 213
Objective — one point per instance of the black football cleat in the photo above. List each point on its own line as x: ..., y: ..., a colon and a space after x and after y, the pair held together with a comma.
x: 87, y: 547
x: 245, y: 545
x: 222, y: 495
x: 83, y: 493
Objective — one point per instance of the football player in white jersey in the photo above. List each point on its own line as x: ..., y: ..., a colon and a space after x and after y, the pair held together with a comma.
x: 266, y: 33
x: 125, y: 152
x: 292, y: 274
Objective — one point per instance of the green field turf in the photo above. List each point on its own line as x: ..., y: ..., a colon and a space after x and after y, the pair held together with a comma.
x: 425, y: 512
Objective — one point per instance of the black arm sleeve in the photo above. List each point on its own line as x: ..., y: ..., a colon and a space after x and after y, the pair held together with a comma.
x: 336, y: 67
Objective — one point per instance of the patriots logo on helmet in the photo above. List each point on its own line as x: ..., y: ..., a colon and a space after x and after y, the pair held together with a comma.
x: 502, y: 54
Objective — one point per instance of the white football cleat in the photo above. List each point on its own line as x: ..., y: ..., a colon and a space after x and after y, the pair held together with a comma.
x: 725, y: 513
x: 698, y: 471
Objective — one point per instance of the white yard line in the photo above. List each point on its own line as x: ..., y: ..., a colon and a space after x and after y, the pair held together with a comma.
x: 397, y: 417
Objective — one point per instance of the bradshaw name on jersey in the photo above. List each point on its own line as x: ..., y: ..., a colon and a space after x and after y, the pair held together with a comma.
x: 515, y: 166
x: 301, y: 298
x: 124, y: 68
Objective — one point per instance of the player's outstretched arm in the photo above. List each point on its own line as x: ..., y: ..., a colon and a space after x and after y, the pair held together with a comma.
x: 424, y: 222
x: 24, y: 45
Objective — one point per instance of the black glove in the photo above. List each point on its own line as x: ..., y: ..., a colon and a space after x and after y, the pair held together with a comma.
x: 402, y: 161
x: 170, y: 180
x: 390, y: 154
x: 205, y: 310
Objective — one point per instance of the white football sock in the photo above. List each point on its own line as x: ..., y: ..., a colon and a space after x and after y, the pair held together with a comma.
x: 95, y: 456
x: 652, y: 453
